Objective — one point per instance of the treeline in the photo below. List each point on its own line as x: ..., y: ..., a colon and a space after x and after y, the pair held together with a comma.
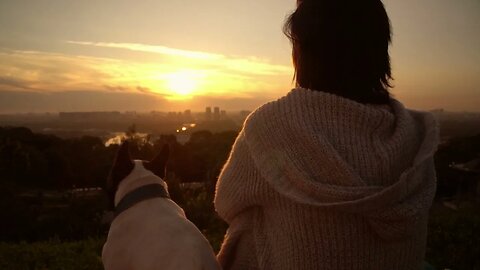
x: 454, y: 233
x: 45, y: 161
x: 38, y: 175
x: 38, y: 172
x: 29, y: 160
x: 456, y: 151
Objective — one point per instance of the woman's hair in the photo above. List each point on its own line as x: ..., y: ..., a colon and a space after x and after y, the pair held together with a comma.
x: 341, y: 47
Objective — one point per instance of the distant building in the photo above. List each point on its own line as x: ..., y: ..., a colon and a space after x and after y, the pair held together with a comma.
x: 82, y: 116
x: 208, y: 113
x: 187, y: 114
x: 216, y: 113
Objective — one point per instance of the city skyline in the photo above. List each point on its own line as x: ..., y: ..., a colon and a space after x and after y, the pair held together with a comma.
x: 122, y: 55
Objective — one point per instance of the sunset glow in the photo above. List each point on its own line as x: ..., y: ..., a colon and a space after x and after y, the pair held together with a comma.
x: 228, y: 54
x: 183, y: 83
x: 173, y: 77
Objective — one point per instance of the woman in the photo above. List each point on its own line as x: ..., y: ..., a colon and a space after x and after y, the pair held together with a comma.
x: 337, y: 174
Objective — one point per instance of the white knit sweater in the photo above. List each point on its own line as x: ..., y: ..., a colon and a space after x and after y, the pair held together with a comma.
x: 317, y: 181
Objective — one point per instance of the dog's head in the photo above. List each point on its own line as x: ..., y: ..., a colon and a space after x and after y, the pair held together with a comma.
x: 123, y: 166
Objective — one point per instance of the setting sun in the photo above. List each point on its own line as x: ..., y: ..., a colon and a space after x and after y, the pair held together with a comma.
x: 183, y: 83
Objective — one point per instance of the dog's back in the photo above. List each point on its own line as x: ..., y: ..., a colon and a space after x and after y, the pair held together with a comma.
x: 154, y: 234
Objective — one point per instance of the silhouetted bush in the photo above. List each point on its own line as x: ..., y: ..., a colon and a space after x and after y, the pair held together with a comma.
x: 453, y: 239
x: 38, y: 173
x: 52, y: 255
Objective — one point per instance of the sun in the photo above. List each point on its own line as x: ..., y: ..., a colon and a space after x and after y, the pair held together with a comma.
x: 182, y: 83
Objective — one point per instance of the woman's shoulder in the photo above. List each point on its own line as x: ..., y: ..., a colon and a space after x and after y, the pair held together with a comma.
x: 276, y: 107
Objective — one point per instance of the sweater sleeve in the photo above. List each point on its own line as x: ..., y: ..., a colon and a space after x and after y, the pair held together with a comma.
x: 239, y: 185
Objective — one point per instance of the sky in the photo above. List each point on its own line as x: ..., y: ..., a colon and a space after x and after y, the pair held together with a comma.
x: 66, y: 55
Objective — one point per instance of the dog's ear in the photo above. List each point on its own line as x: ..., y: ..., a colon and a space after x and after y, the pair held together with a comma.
x: 122, y: 166
x: 123, y: 154
x: 158, y: 164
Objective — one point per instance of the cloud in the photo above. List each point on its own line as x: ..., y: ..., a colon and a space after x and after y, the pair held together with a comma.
x: 247, y: 65
x: 44, y: 71
x: 15, y: 83
x: 27, y: 101
x: 152, y: 49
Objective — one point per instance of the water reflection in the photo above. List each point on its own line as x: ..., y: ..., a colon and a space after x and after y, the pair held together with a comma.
x: 119, y: 137
x: 182, y: 134
x: 185, y: 132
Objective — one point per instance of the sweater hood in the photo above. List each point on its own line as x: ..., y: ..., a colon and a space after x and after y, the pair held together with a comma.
x: 327, y: 151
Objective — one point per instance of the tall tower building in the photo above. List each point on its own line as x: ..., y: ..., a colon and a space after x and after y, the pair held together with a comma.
x: 188, y: 115
x: 208, y: 113
x: 216, y: 113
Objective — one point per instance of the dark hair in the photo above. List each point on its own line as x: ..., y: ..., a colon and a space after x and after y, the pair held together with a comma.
x: 341, y: 47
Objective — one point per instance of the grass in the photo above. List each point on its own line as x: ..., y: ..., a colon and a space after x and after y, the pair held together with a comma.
x: 52, y: 255
x: 58, y: 255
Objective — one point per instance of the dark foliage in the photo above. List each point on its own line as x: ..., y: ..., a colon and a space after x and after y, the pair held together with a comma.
x: 40, y: 177
x: 453, y: 239
x: 52, y: 255
x: 38, y: 174
x: 458, y: 150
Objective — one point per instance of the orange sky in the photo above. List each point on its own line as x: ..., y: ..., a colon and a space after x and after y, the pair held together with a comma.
x: 66, y: 55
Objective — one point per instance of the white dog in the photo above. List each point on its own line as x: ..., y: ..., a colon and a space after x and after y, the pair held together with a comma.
x: 150, y: 231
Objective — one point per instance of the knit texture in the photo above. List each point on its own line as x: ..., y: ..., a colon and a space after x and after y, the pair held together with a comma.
x: 317, y: 181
